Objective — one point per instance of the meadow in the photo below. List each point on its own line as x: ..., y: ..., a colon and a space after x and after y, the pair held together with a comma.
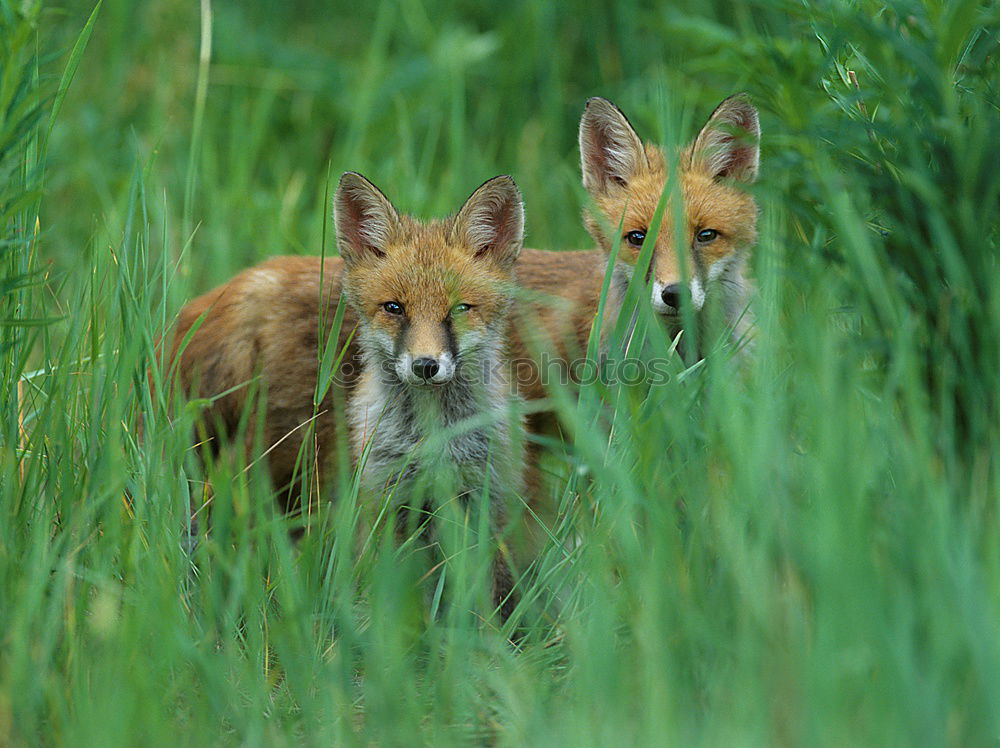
x: 804, y: 551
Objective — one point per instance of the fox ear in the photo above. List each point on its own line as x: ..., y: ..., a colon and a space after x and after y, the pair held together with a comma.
x: 364, y: 218
x: 728, y: 146
x: 492, y: 221
x: 610, y: 151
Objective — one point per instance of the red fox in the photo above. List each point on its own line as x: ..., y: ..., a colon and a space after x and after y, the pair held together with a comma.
x: 432, y: 302
x: 432, y: 409
x: 268, y: 321
x: 626, y: 178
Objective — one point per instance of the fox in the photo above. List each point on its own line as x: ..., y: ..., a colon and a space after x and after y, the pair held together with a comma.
x: 267, y: 323
x: 625, y: 178
x: 432, y: 302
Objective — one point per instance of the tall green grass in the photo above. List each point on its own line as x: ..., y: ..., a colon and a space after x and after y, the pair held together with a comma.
x: 803, y: 551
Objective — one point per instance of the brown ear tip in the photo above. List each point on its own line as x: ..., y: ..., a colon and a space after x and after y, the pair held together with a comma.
x: 742, y: 100
x: 740, y: 111
x: 506, y: 182
x: 351, y: 177
x: 599, y: 104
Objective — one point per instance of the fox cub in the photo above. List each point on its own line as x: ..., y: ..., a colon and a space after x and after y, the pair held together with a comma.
x: 625, y: 179
x: 432, y: 301
x: 432, y: 410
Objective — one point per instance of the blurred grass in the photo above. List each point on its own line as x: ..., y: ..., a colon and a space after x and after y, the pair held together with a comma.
x: 805, y: 555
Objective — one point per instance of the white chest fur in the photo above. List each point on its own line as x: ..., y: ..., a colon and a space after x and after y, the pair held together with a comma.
x: 458, y: 433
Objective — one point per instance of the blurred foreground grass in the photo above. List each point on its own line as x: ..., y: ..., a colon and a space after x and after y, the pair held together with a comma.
x: 834, y: 574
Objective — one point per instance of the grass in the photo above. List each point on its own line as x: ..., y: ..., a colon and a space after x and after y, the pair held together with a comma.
x: 805, y: 553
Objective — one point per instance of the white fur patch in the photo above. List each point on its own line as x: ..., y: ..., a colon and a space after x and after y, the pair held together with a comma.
x: 621, y: 163
x: 610, y: 150
x: 728, y: 146
x: 363, y: 216
x: 383, y: 341
x: 265, y: 278
x: 404, y: 368
x: 492, y: 219
x: 374, y: 228
x: 718, y: 268
x: 697, y: 293
x: 446, y: 369
x: 488, y: 221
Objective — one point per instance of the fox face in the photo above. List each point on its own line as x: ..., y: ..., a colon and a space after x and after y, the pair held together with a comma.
x: 625, y: 179
x: 431, y: 297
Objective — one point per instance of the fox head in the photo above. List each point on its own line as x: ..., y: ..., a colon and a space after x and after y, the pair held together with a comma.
x: 625, y: 179
x: 430, y: 296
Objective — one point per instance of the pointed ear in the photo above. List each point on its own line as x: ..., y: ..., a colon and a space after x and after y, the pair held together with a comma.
x: 364, y: 218
x: 610, y: 151
x: 492, y: 221
x: 728, y: 146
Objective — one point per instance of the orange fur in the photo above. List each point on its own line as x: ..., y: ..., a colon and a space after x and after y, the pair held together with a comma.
x: 266, y: 322
x: 428, y: 273
x: 708, y: 203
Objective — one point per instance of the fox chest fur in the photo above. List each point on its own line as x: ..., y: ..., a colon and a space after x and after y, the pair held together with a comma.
x: 459, y: 432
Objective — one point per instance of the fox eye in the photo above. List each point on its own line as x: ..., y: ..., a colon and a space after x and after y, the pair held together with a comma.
x: 393, y: 307
x: 461, y: 308
x: 706, y: 235
x: 635, y: 238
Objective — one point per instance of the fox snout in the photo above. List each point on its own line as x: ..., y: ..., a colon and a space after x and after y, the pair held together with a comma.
x: 425, y: 369
x: 667, y: 297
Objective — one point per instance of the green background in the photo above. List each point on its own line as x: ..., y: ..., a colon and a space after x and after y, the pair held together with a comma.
x: 804, y: 552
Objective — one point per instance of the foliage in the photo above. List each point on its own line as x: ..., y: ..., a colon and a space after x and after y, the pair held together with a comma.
x: 804, y: 552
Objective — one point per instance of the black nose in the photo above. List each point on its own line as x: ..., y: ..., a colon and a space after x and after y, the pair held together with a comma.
x: 672, y: 296
x: 425, y: 368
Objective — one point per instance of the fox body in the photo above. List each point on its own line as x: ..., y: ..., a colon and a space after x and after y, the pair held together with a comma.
x: 432, y: 301
x: 707, y: 255
x: 266, y: 325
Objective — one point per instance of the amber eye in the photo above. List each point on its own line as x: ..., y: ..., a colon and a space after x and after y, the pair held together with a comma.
x: 393, y: 307
x: 635, y: 238
x: 706, y: 235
